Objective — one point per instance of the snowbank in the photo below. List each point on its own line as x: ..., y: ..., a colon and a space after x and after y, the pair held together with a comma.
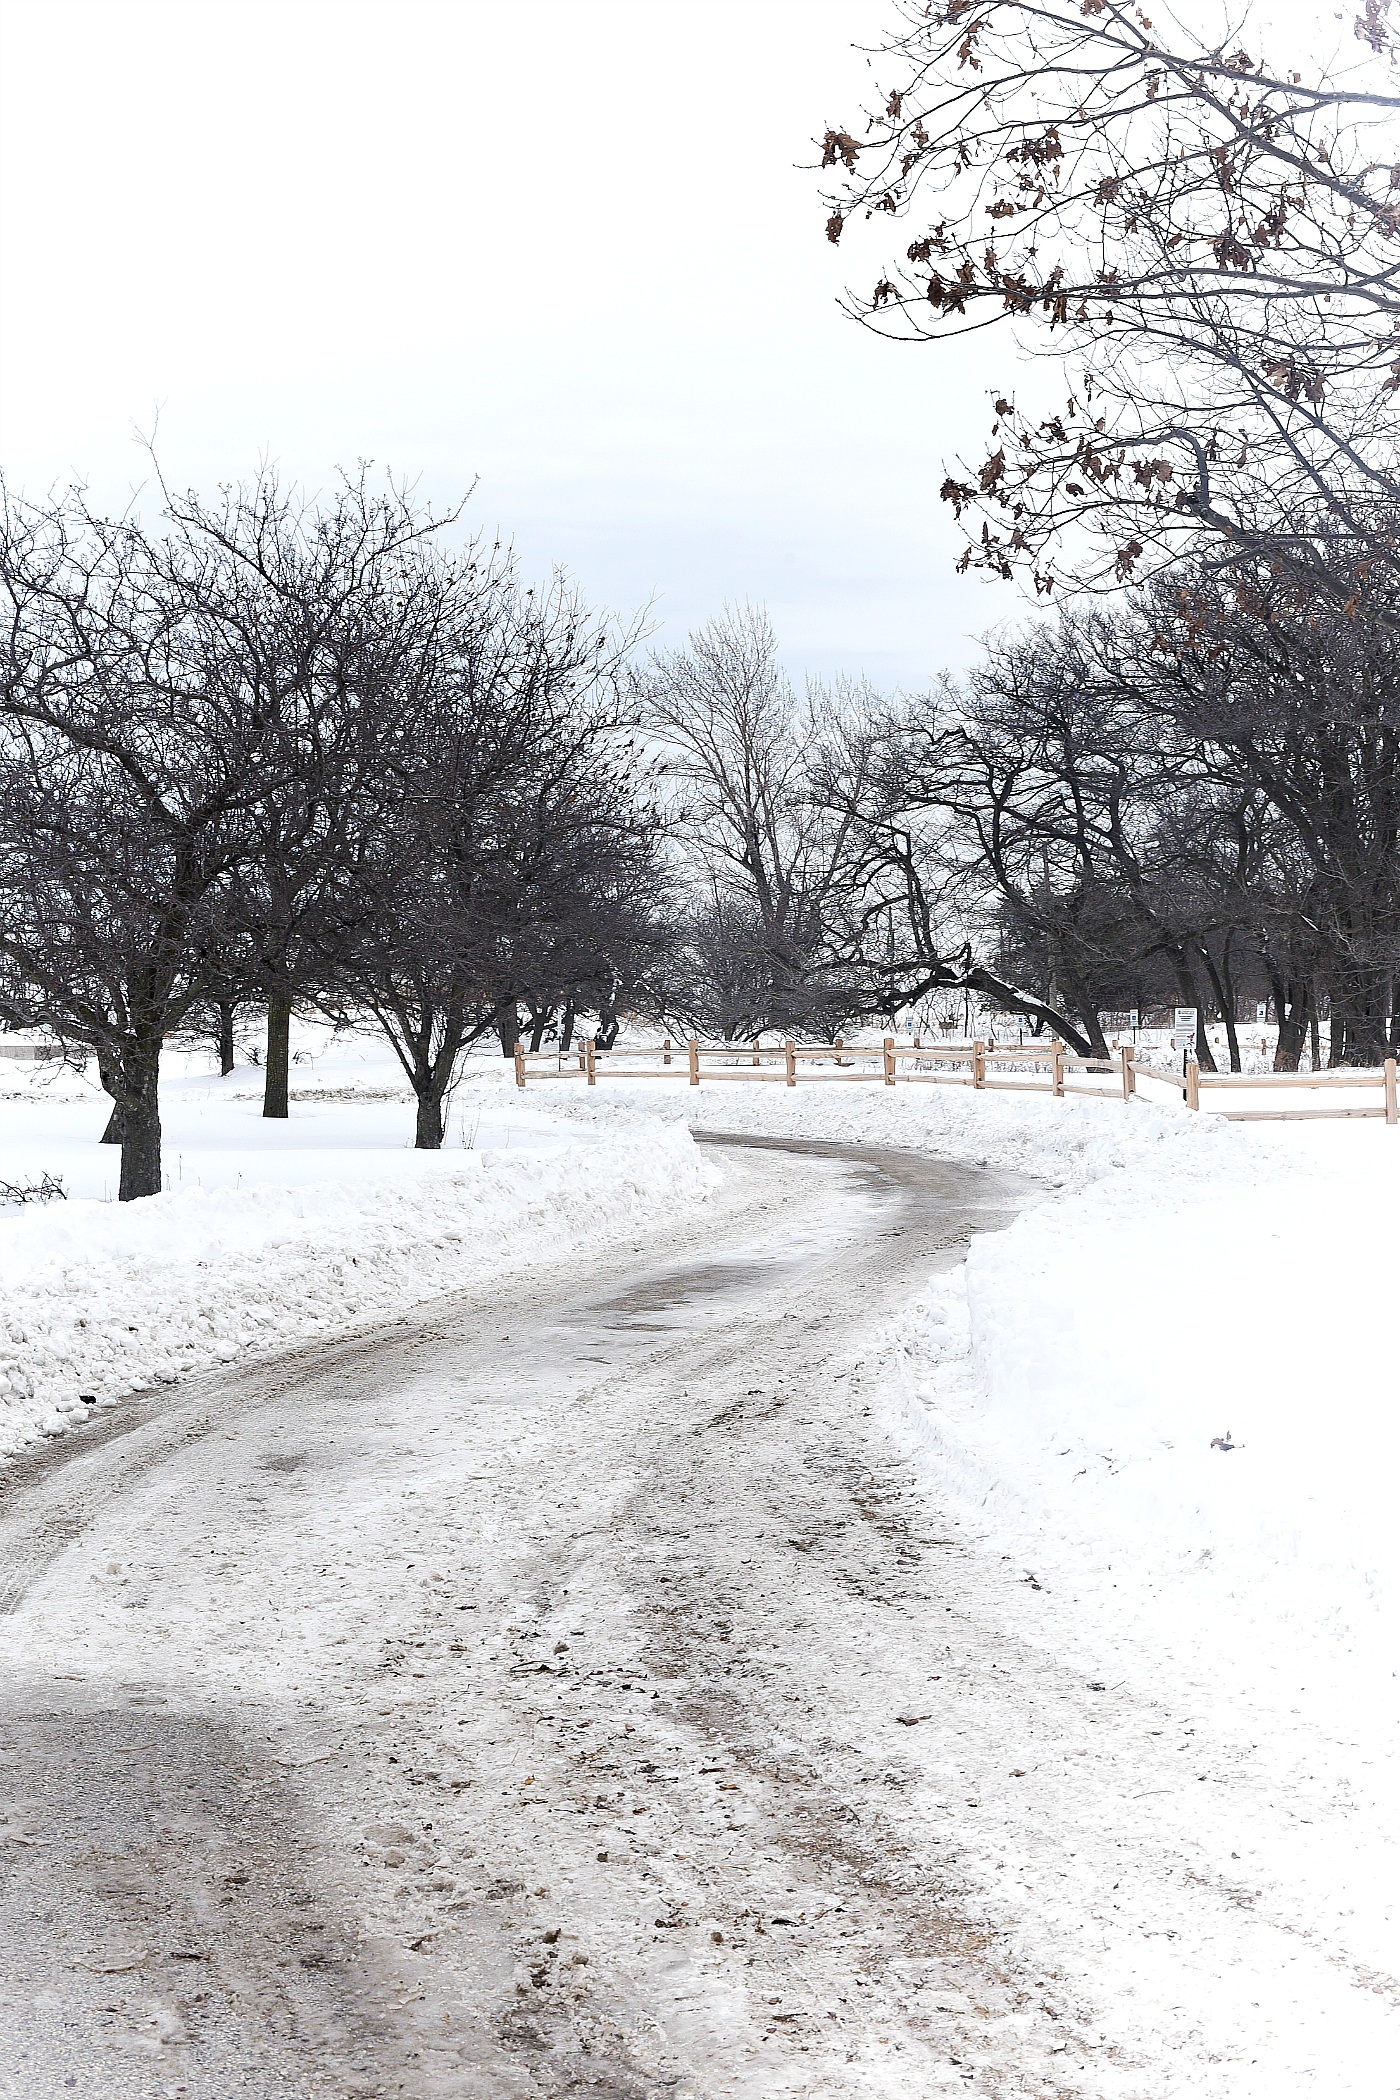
x: 1187, y: 1382
x: 1067, y: 1143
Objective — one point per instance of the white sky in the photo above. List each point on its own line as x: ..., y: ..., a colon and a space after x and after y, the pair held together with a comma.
x: 559, y: 245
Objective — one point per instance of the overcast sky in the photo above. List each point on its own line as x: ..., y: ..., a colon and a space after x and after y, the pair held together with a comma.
x: 561, y: 248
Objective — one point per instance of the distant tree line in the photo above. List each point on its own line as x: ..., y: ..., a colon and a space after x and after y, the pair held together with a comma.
x: 1192, y: 799
x: 279, y: 756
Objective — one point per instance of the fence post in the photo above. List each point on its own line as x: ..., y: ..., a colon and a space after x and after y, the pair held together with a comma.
x: 791, y: 1062
x: 519, y: 1062
x: 1125, y: 1058
x: 666, y: 1048
x: 840, y: 1046
x: 1058, y: 1061
x: 1193, y: 1083
x: 588, y: 1060
x: 694, y: 1048
x: 889, y: 1060
x: 979, y: 1063
x: 755, y: 1050
x: 1392, y: 1111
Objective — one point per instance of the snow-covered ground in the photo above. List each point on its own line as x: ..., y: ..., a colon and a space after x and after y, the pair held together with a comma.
x: 1184, y: 1361
x: 1183, y: 1364
x: 1161, y: 1406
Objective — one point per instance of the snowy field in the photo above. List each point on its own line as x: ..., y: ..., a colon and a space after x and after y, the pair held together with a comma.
x: 1163, y: 1401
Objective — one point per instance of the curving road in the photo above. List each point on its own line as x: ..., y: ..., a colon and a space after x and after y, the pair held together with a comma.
x: 565, y: 1690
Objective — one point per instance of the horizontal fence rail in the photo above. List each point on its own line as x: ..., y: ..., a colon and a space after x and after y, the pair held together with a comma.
x: 1031, y: 1068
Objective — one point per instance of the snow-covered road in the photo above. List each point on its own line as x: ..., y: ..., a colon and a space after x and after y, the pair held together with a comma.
x: 572, y: 1689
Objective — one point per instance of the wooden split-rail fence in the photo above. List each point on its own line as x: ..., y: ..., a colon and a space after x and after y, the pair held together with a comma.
x: 1042, y: 1069
x: 1194, y: 1081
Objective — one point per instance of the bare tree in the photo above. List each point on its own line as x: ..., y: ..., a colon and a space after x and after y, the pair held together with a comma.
x: 724, y: 984
x: 127, y: 772
x: 514, y: 841
x: 1077, y: 818
x: 213, y: 1020
x: 767, y: 852
x: 303, y: 605
x: 1193, y: 796
x: 1030, y: 838
x: 1207, y: 241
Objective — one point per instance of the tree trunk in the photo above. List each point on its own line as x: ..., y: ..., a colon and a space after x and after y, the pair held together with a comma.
x: 279, y: 1030
x: 540, y: 1018
x: 1092, y: 1023
x: 566, y: 1027
x: 225, y: 1036
x: 508, y: 1028
x: 1291, y: 1007
x: 428, y: 1131
x: 1288, y: 1051
x: 1205, y: 1056
x: 1232, y: 1037
x: 1314, y: 1036
x: 1186, y: 987
x: 140, y: 1174
x: 1224, y: 1000
x: 139, y: 1109
x: 111, y: 1083
x: 1079, y: 996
